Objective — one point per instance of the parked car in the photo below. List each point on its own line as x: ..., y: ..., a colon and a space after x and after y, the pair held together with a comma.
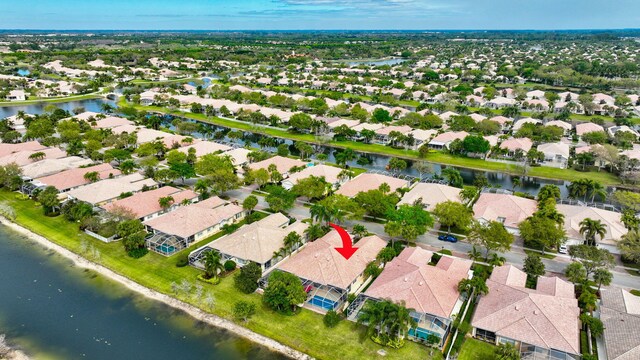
x: 448, y: 238
x: 563, y: 249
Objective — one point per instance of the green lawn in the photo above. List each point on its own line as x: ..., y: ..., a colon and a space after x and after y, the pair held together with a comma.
x: 304, y: 331
x: 51, y: 100
x: 603, y: 177
x: 150, y: 82
x: 473, y: 349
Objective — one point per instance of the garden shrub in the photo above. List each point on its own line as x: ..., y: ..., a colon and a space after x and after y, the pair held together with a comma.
x: 229, y: 265
x: 183, y: 260
x: 331, y: 319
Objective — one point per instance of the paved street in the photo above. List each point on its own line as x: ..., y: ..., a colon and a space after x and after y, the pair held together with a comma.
x: 430, y: 240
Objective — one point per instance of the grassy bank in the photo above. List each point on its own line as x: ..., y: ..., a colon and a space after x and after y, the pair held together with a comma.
x: 435, y: 156
x: 161, y: 82
x: 304, y: 331
x: 51, y: 100
x: 477, y: 350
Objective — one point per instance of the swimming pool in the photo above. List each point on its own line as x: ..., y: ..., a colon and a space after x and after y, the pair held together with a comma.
x: 322, y: 302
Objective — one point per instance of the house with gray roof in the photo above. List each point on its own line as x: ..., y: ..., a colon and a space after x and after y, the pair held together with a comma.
x: 620, y: 314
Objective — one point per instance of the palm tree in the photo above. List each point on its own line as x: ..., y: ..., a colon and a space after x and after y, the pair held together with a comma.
x: 344, y: 156
x: 373, y: 315
x: 385, y: 188
x: 602, y: 277
x: 590, y: 228
x: 453, y: 177
x: 578, y: 188
x: 475, y: 254
x: 400, y: 321
x: 212, y: 264
x: 314, y: 231
x: 166, y: 201
x: 597, y: 190
x: 345, y: 174
x: 92, y: 176
x: 292, y: 241
x: 496, y: 260
x: 516, y: 181
x: 359, y: 231
x: 127, y: 166
x: 201, y: 187
x: 320, y: 213
x: 475, y: 285
x: 507, y: 351
x: 549, y: 191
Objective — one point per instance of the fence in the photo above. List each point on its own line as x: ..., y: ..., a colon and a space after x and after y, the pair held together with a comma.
x: 100, y: 237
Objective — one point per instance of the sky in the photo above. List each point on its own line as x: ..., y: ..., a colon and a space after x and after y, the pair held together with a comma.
x: 318, y: 14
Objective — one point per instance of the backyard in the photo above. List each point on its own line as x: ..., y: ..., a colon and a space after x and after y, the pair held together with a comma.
x: 602, y: 177
x: 304, y: 331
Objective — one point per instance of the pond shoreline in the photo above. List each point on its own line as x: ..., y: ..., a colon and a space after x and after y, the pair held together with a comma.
x: 193, y: 311
x: 10, y: 353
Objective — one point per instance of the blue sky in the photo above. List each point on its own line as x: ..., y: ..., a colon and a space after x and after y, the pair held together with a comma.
x: 318, y: 14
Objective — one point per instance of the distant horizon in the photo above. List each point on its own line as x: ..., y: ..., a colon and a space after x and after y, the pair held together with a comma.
x: 315, y: 15
x: 6, y: 30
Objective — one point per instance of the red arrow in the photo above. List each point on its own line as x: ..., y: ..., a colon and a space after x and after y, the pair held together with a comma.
x: 347, y: 250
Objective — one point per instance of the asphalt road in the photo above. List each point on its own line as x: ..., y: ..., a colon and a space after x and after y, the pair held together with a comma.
x: 430, y: 241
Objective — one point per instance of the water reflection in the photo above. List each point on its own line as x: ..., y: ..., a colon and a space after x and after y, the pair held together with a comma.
x: 52, y: 309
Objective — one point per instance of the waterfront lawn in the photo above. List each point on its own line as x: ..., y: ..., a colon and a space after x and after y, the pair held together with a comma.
x: 602, y: 177
x: 304, y: 331
x: 51, y: 100
x: 473, y: 349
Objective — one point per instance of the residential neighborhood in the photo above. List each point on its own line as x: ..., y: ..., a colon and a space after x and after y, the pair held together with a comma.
x: 441, y: 196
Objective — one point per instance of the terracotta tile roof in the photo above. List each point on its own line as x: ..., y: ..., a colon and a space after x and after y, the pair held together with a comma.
x: 7, y: 149
x: 330, y: 173
x: 53, y: 166
x: 531, y: 316
x: 204, y: 147
x: 283, y: 164
x: 368, y: 181
x: 431, y: 195
x: 75, y: 177
x: 620, y: 314
x: 584, y: 128
x: 448, y: 137
x: 495, y: 207
x: 518, y: 124
x: 423, y: 287
x: 321, y: 263
x: 147, y: 203
x: 239, y: 155
x: 514, y: 144
x: 388, y: 129
x: 561, y: 124
x: 111, y: 122
x: 259, y: 240
x: 109, y: 189
x: 21, y: 158
x: 553, y: 149
x: 573, y: 215
x: 192, y: 219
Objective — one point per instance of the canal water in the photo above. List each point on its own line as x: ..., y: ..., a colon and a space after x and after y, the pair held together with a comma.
x: 376, y: 161
x: 53, y: 310
x: 38, y: 108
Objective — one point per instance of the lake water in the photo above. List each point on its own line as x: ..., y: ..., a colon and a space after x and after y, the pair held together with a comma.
x: 38, y: 108
x: 377, y: 162
x: 54, y: 310
x: 381, y: 62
